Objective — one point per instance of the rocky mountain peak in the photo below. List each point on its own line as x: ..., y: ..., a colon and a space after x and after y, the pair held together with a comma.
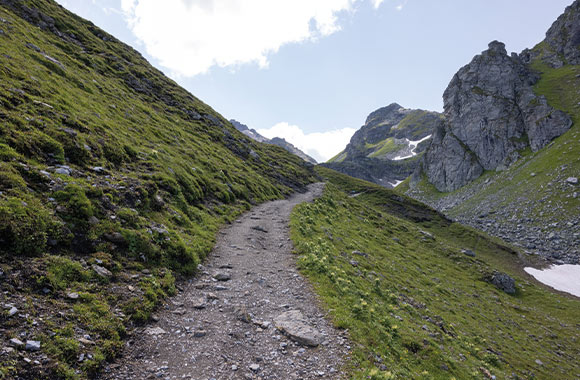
x: 392, y: 111
x: 491, y: 113
x: 497, y: 47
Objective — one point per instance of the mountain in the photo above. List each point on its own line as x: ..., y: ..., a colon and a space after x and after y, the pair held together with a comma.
x: 249, y: 132
x: 506, y: 159
x: 385, y: 150
x: 282, y: 143
x: 114, y: 182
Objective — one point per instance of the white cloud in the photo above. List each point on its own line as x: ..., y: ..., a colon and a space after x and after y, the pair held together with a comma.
x: 322, y: 146
x: 377, y: 3
x: 190, y: 36
x: 401, y: 5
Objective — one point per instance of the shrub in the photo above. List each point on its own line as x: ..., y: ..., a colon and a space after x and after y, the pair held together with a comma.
x: 76, y: 200
x: 38, y: 144
x: 10, y: 178
x: 24, y: 226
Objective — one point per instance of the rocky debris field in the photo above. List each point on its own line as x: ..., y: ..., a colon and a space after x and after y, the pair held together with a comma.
x: 249, y: 315
x: 542, y: 227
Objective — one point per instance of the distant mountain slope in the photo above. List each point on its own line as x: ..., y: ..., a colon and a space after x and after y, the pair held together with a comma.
x: 520, y: 181
x: 385, y: 149
x: 113, y: 180
x: 275, y: 141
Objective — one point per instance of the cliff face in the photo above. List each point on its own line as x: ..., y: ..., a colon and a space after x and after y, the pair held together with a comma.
x: 491, y: 113
x: 560, y: 47
x: 385, y: 149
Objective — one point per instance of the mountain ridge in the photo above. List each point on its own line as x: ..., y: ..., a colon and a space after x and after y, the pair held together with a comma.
x: 281, y: 142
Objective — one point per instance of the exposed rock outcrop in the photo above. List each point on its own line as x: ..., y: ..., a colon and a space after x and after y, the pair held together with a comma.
x: 491, y: 113
x: 562, y: 39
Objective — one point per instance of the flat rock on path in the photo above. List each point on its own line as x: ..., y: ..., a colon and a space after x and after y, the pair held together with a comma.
x: 263, y: 322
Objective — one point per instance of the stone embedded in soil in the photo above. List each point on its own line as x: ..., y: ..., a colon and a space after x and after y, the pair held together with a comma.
x: 155, y: 331
x: 101, y: 271
x: 294, y: 324
x: 32, y: 345
x: 468, y: 252
x: 15, y: 342
x: 223, y: 276
x: 198, y: 303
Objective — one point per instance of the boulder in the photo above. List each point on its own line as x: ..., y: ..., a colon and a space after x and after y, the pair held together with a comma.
x: 296, y: 327
x: 503, y: 282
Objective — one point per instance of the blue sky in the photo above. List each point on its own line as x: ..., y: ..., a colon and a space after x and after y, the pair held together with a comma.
x: 312, y: 70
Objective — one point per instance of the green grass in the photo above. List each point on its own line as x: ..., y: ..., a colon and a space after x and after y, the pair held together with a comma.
x: 383, y: 147
x: 172, y: 172
x: 415, y: 306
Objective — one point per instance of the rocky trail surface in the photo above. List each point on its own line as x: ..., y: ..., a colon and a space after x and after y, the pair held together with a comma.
x: 248, y: 315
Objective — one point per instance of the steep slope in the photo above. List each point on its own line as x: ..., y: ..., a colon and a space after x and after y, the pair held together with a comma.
x: 385, y: 149
x: 531, y: 200
x: 113, y: 180
x: 413, y: 289
x: 282, y: 143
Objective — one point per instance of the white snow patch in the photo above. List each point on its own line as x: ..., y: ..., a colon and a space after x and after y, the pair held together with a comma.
x: 413, y: 146
x: 560, y: 277
x: 396, y: 183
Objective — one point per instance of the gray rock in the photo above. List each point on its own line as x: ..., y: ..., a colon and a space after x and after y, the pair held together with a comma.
x: 503, y: 282
x: 572, y: 180
x: 562, y: 39
x: 223, y: 276
x: 155, y: 331
x: 101, y: 271
x: 12, y: 311
x: 491, y: 113
x: 72, y: 295
x: 468, y: 252
x: 294, y: 324
x: 15, y: 342
x: 99, y: 169
x: 254, y: 367
x: 198, y: 303
x: 32, y: 345
x: 115, y: 238
x: 64, y: 171
x: 359, y: 253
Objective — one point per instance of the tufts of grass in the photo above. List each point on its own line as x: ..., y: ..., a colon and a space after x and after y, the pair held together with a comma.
x: 416, y: 307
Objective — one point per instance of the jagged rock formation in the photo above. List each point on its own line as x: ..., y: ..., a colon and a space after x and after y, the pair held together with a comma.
x: 562, y: 39
x: 282, y: 143
x: 491, y: 113
x: 385, y: 149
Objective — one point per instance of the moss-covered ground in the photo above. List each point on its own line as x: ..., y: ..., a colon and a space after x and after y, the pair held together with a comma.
x: 392, y: 272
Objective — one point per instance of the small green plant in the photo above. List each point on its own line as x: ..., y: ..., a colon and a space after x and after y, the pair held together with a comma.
x: 24, y: 226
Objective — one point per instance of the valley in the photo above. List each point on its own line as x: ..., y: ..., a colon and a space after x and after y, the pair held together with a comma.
x: 144, y: 235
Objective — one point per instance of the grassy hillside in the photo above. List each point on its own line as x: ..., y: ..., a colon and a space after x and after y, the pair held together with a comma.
x: 392, y: 272
x: 113, y: 181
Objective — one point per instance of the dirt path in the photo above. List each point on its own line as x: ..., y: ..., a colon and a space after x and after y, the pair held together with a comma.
x: 220, y: 328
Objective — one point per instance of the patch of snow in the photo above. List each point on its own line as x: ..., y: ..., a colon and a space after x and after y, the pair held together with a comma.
x: 560, y: 277
x: 396, y: 183
x: 413, y: 146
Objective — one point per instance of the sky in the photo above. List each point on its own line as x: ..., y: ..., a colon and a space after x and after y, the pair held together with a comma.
x: 310, y: 71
